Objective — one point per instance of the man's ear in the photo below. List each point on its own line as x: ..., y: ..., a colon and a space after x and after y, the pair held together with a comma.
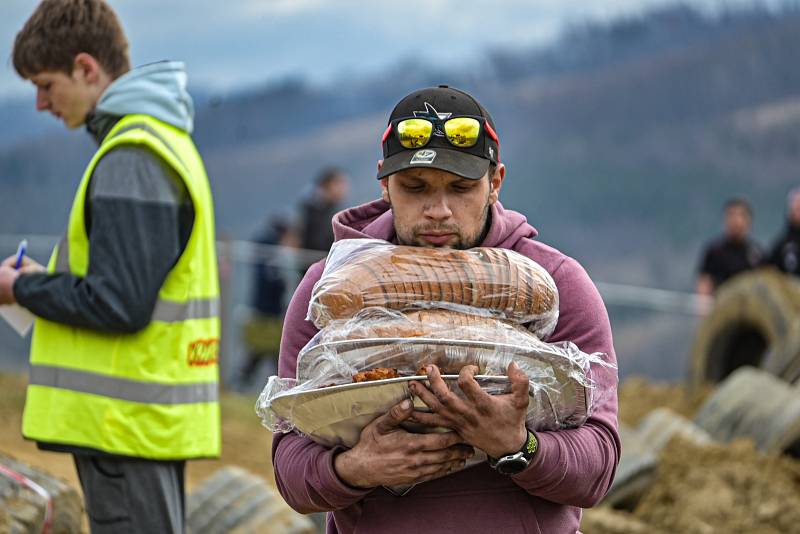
x: 384, y: 184
x: 496, y: 182
x: 385, y: 190
x: 85, y: 67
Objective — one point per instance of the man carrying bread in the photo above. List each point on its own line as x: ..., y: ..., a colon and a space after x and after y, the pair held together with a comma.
x: 440, y: 181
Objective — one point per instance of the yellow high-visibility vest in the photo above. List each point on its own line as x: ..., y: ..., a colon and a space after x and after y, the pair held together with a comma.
x: 152, y: 394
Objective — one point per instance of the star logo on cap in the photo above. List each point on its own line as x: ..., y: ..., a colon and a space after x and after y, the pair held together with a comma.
x: 431, y: 113
x: 434, y: 116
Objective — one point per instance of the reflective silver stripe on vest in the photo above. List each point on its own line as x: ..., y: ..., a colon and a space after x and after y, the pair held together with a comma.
x: 62, y: 260
x: 174, y: 312
x: 122, y: 388
x: 151, y: 131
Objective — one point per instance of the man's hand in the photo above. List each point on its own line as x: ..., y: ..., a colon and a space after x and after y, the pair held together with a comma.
x: 493, y: 423
x: 387, y: 455
x: 8, y: 275
x: 28, y: 265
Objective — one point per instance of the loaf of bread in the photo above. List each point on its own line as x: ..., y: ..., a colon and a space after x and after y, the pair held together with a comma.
x: 378, y: 337
x: 497, y: 282
x: 381, y: 323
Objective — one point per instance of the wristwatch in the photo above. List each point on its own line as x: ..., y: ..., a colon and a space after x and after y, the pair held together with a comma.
x: 512, y: 464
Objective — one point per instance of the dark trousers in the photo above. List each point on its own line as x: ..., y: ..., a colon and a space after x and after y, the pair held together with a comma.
x: 132, y: 496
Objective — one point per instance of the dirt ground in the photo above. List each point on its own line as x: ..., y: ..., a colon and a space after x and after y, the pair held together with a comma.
x: 244, y: 441
x: 698, y: 490
x: 703, y: 489
x: 638, y: 397
x: 711, y: 489
x: 723, y: 488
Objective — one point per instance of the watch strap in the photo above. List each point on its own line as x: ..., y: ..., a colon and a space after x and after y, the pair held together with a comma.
x: 527, y: 451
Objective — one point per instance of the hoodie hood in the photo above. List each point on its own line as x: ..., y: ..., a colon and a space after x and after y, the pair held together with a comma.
x: 374, y: 220
x: 157, y: 89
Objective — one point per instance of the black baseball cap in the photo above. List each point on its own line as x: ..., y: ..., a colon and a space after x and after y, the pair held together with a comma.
x: 439, y: 104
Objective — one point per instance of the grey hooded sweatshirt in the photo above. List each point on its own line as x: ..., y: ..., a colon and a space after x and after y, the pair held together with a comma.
x: 139, y: 215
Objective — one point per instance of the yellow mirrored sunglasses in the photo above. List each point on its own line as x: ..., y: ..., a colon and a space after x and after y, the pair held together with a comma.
x: 461, y: 132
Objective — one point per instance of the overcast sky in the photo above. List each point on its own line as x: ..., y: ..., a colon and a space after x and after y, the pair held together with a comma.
x: 237, y: 43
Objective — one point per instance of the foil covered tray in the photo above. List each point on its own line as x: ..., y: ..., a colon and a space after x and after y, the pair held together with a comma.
x: 335, y: 415
x: 560, y: 385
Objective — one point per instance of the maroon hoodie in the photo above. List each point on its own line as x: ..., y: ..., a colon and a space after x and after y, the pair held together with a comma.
x: 572, y: 469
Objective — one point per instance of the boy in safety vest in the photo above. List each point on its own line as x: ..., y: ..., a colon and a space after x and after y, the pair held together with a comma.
x: 124, y: 354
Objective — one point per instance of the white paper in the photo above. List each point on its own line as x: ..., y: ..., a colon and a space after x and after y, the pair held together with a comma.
x: 18, y: 317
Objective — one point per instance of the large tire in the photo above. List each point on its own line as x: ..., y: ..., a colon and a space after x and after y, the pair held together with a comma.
x: 791, y: 373
x: 234, y: 500
x: 755, y: 321
x: 754, y: 404
x: 635, y: 472
x: 25, y: 510
x: 640, y: 451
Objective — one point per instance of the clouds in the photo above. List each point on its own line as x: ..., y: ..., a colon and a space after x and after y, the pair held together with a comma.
x: 243, y: 42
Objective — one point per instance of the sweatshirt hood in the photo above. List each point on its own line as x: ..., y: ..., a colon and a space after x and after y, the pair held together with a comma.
x: 374, y: 220
x: 157, y: 89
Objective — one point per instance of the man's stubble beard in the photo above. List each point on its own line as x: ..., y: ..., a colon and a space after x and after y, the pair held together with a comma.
x: 462, y: 243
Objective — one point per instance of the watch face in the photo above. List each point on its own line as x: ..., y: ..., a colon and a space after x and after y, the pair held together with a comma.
x: 512, y: 465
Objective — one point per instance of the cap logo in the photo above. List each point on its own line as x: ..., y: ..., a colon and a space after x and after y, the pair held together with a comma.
x: 423, y: 156
x: 434, y: 116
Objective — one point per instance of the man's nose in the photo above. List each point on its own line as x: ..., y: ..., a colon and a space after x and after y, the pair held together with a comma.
x: 438, y: 208
x: 42, y: 102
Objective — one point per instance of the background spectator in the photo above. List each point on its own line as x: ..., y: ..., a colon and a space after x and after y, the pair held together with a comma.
x: 785, y: 254
x: 316, y: 211
x: 732, y: 252
x: 274, y: 273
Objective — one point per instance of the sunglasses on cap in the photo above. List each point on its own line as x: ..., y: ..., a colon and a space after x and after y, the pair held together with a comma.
x: 461, y: 132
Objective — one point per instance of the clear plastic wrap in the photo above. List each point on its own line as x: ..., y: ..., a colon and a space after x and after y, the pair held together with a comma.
x: 325, y: 404
x: 493, y: 282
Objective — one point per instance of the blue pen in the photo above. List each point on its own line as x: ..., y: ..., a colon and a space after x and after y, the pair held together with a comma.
x: 23, y: 246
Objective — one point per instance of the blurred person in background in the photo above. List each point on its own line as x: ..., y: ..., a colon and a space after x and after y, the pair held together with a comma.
x: 731, y: 253
x: 785, y: 254
x: 274, y: 276
x: 331, y: 188
x: 123, y: 363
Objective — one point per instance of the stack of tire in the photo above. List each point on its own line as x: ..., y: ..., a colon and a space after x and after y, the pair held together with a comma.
x: 236, y: 501
x: 33, y: 501
x: 755, y: 321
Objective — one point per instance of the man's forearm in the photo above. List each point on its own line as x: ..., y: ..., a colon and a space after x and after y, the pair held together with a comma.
x: 136, y: 221
x: 75, y: 301
x: 306, y: 478
x: 573, y: 467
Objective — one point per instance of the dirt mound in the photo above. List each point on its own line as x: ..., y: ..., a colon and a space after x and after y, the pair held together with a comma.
x: 638, y: 397
x: 706, y: 489
x: 723, y: 488
x: 609, y: 521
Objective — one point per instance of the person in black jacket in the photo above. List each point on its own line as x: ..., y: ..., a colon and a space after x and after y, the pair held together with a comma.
x: 316, y: 211
x: 274, y: 274
x: 731, y: 253
x: 785, y: 254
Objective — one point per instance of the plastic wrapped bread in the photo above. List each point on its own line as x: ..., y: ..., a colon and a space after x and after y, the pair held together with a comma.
x: 363, y: 273
x: 396, y: 337
x: 560, y: 375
